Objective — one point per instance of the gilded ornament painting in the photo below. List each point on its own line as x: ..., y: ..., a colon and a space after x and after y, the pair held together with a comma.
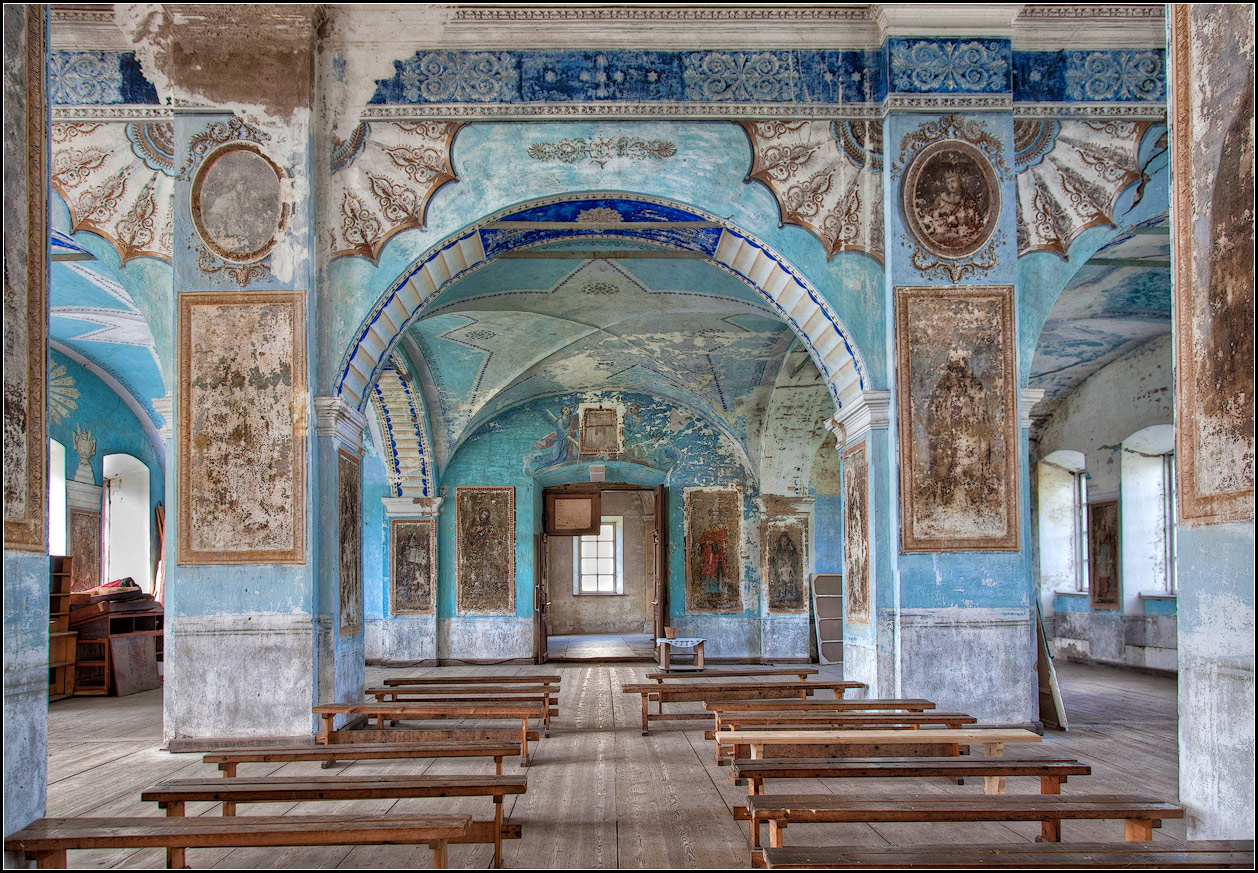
x: 957, y: 401
x: 25, y: 292
x: 600, y: 431
x: 237, y: 203
x: 413, y: 576
x: 786, y: 562
x: 856, y: 534
x: 1213, y: 139
x: 242, y: 428
x: 713, y: 550
x: 951, y: 199
x: 349, y: 541
x: 84, y: 547
x: 484, y: 538
x: 1103, y: 555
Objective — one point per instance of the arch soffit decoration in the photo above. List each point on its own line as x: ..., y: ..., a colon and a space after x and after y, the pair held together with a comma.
x: 779, y: 285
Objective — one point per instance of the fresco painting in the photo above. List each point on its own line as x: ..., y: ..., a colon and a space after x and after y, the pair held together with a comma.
x: 713, y: 547
x: 237, y: 206
x: 242, y: 445
x: 951, y: 199
x: 413, y: 545
x: 485, y: 549
x: 786, y: 564
x: 1103, y: 555
x: 83, y: 546
x: 856, y: 534
x: 349, y: 525
x: 957, y: 397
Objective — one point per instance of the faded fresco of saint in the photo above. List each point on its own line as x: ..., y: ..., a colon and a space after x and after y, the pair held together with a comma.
x: 237, y: 206
x: 950, y: 199
x: 485, y: 540
x: 713, y: 542
x: 349, y: 525
x: 554, y: 448
x: 786, y: 568
x: 856, y: 534
x: 414, y: 565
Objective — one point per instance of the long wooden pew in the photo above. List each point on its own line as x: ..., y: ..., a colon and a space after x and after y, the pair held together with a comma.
x: 228, y: 759
x: 693, y: 690
x: 824, y: 720
x: 430, y: 693
x: 852, y: 742
x: 802, y: 672
x: 173, y: 795
x: 536, y: 679
x: 1174, y: 854
x: 47, y: 840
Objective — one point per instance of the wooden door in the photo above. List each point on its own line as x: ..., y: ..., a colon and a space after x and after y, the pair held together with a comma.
x: 541, y: 597
x: 661, y: 562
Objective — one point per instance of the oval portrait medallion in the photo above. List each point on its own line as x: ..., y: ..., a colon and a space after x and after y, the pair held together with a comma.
x: 237, y: 204
x: 951, y: 199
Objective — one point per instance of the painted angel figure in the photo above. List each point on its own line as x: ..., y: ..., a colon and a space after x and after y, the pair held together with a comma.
x: 554, y: 448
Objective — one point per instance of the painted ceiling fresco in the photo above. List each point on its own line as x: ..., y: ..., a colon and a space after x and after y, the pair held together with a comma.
x: 95, y: 320
x: 1119, y: 299
x: 523, y: 329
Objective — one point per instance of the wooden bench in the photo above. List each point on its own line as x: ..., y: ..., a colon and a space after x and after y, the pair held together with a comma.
x: 706, y: 691
x: 228, y: 759
x: 823, y: 720
x: 853, y: 742
x: 47, y: 840
x: 1171, y: 853
x: 174, y: 794
x: 549, y: 694
x: 537, y: 679
x: 1139, y: 814
x: 802, y: 672
x: 431, y: 710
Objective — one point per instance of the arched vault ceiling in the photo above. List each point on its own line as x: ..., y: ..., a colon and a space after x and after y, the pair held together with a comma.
x: 1119, y: 299
x: 676, y: 329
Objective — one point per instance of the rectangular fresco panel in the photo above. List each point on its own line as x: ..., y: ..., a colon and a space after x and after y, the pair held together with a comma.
x: 856, y: 534
x: 349, y: 524
x: 84, y: 548
x: 958, y: 438
x: 413, y: 576
x: 242, y: 428
x: 1103, y: 545
x: 1213, y: 139
x: 713, y: 546
x: 25, y: 282
x: 484, y: 541
x: 785, y: 564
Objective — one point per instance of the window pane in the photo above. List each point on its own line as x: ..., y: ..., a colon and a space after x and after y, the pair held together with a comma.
x: 590, y: 549
x: 606, y: 583
x: 608, y: 532
x: 589, y: 565
x: 607, y: 565
x: 607, y: 550
x: 589, y: 583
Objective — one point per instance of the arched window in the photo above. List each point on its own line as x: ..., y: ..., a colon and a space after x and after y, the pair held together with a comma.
x: 126, y: 521
x: 56, y: 498
x: 1148, y: 511
x: 1063, y: 502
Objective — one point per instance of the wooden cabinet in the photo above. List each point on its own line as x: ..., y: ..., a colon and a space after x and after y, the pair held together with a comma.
x: 106, y: 628
x: 61, y: 640
x: 827, y: 609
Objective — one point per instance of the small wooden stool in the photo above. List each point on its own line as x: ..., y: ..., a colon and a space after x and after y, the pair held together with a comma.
x: 664, y: 647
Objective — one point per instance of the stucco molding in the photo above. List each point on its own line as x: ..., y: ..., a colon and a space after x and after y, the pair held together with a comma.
x: 1027, y: 400
x: 81, y: 495
x: 335, y: 419
x: 871, y: 410
x: 412, y: 507
x: 165, y: 407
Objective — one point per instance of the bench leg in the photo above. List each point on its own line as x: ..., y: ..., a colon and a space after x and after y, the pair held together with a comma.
x: 229, y: 769
x: 754, y: 787
x: 438, y: 854
x: 755, y: 832
x: 498, y: 764
x: 524, y: 742
x: 176, y: 859
x: 54, y: 860
x: 1139, y: 829
x: 229, y: 807
x: 498, y: 831
x: 993, y: 750
x: 776, y: 828
x: 645, y: 712
x: 994, y: 784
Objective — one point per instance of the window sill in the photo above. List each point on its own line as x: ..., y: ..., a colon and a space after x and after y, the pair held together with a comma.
x: 1152, y: 595
x: 598, y: 594
x: 1071, y: 593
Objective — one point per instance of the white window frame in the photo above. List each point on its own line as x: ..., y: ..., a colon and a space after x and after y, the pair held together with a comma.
x: 1081, y: 532
x: 617, y: 523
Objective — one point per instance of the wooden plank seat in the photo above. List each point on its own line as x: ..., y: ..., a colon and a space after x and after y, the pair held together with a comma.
x: 852, y: 742
x: 1139, y: 814
x: 802, y: 672
x: 1141, y: 855
x: 704, y: 690
x: 894, y: 704
x: 228, y: 759
x: 823, y: 720
x: 549, y: 694
x: 534, y: 679
x: 173, y: 795
x: 524, y: 710
x: 47, y: 840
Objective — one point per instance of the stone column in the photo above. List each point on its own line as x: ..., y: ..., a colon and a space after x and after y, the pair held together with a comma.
x: 1212, y: 140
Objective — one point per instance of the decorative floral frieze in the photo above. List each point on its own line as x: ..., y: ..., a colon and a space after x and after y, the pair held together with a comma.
x: 952, y: 127
x: 821, y: 181
x: 932, y: 266
x: 1070, y: 175
x: 459, y: 77
x: 383, y: 180
x: 1116, y: 75
x: 948, y: 66
x: 241, y: 274
x: 739, y: 75
x: 601, y: 149
x: 117, y: 180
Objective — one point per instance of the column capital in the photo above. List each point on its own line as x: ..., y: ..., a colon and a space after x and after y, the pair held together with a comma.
x: 1027, y: 400
x: 165, y: 407
x: 336, y: 419
x: 412, y: 507
x: 869, y: 410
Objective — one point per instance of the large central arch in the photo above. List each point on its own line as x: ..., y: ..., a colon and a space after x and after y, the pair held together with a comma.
x: 621, y: 217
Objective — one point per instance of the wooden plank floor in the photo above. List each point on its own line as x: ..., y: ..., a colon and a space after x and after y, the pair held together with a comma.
x: 600, y: 794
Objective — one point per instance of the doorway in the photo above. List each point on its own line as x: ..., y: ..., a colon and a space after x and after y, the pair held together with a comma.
x: 603, y: 588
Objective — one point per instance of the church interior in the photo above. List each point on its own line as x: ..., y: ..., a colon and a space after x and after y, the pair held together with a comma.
x: 912, y: 345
